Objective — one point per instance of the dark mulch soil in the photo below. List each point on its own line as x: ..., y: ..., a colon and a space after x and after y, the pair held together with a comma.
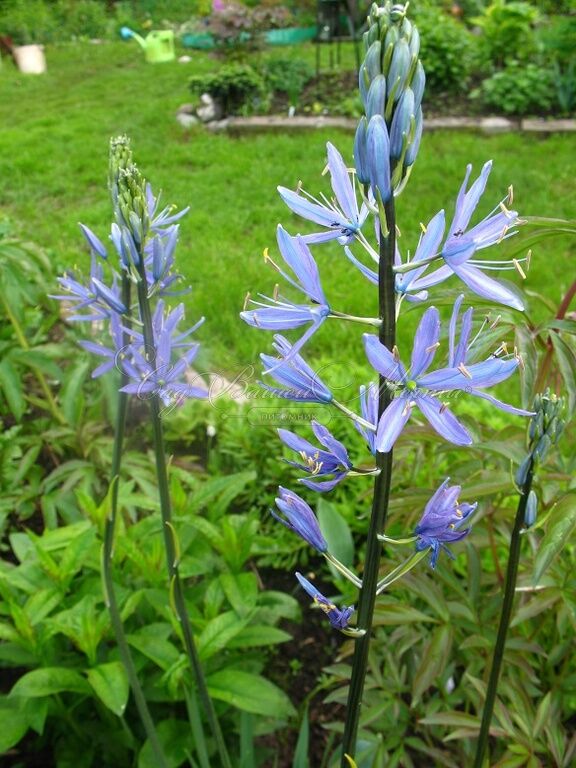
x: 295, y: 667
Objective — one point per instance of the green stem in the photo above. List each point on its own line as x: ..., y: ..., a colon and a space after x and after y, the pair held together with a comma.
x: 168, y: 528
x: 109, y: 591
x: 505, y: 616
x: 23, y: 341
x: 367, y: 598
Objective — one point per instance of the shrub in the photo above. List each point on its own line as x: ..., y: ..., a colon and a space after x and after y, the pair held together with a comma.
x: 446, y: 50
x: 288, y: 76
x: 518, y: 90
x: 508, y: 30
x: 238, y: 88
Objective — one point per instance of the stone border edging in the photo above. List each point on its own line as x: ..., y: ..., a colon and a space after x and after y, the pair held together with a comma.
x: 486, y: 125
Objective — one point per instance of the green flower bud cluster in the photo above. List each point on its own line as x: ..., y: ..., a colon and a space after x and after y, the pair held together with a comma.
x: 391, y: 82
x: 132, y: 203
x: 545, y: 430
x: 546, y: 426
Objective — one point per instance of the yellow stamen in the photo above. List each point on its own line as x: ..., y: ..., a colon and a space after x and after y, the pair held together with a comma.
x: 519, y: 268
x: 275, y: 292
x: 395, y: 353
x: 502, y: 235
x: 462, y: 368
x: 246, y: 300
x: 510, y: 194
x: 432, y: 347
x: 423, y: 228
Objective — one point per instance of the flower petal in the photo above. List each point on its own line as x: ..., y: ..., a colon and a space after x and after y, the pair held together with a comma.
x: 392, y: 422
x: 443, y: 420
x: 382, y: 360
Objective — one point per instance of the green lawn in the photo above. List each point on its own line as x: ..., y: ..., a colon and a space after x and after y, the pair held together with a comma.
x: 53, y: 161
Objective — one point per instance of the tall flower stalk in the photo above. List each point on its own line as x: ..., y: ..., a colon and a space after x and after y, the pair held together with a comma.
x: 146, y: 346
x: 386, y: 144
x: 545, y: 430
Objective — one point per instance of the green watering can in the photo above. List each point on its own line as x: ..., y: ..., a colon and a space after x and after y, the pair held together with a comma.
x: 158, y: 45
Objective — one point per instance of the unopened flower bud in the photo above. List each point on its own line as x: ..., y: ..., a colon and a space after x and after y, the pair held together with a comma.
x: 418, y: 83
x: 541, y: 450
x: 522, y: 471
x: 372, y: 60
x: 399, y: 68
x: 378, y: 157
x: 531, y: 510
x: 361, y: 152
x: 414, y: 144
x: 401, y: 124
x: 376, y: 99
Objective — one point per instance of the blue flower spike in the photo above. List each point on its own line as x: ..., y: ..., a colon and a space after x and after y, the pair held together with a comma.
x: 441, y: 520
x: 338, y: 618
x: 298, y: 517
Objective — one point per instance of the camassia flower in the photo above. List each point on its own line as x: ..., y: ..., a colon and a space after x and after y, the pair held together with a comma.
x: 410, y: 284
x: 441, y: 520
x: 318, y: 462
x: 417, y: 388
x: 338, y: 618
x: 298, y: 516
x: 103, y: 301
x: 113, y: 356
x: 461, y: 244
x: 279, y: 314
x: 157, y: 374
x: 301, y: 382
x: 341, y: 216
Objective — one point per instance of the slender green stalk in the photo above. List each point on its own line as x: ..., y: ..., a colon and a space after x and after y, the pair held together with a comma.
x: 367, y: 598
x: 505, y: 616
x: 110, y: 594
x: 168, y: 529
x: 23, y: 341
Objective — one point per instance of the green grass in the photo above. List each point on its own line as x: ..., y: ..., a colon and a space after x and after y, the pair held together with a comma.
x: 53, y: 162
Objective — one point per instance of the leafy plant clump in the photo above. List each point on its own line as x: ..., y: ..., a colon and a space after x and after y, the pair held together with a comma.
x: 237, y: 87
x: 519, y: 89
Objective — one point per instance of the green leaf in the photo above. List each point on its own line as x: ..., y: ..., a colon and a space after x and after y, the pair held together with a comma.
x: 557, y: 535
x: 251, y: 693
x: 110, y: 683
x: 71, y: 395
x: 155, y: 645
x: 390, y: 614
x: 10, y: 382
x: 258, y: 634
x: 300, y: 759
x: 434, y: 658
x: 175, y: 742
x: 50, y: 680
x: 567, y: 364
x: 336, y: 532
x: 241, y: 590
x: 14, y: 723
x: 218, y: 632
x: 527, y: 349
